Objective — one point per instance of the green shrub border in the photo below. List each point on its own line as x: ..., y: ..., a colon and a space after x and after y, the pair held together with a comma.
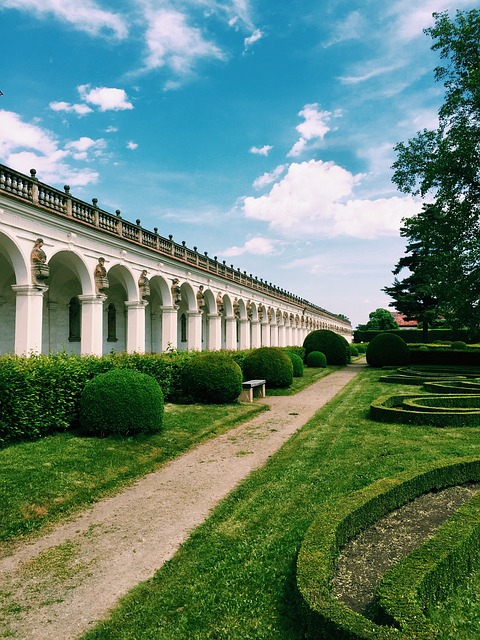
x: 431, y: 572
x: 391, y: 408
x: 453, y: 386
x: 328, y: 618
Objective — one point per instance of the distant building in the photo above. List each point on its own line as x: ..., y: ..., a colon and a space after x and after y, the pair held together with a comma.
x: 402, y: 322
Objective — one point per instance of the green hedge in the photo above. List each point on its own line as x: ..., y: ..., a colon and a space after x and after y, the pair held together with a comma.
x: 446, y: 357
x: 326, y: 617
x: 416, y: 335
x: 40, y: 395
x: 394, y: 408
x: 431, y: 572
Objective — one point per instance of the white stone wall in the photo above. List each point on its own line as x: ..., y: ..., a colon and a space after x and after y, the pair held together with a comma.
x: 35, y: 317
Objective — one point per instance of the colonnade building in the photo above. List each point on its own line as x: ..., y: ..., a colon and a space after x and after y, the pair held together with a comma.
x: 78, y: 279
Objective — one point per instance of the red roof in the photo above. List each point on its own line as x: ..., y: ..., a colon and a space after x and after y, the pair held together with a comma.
x: 402, y: 323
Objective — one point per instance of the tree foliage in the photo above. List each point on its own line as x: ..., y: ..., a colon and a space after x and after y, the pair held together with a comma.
x: 379, y: 320
x: 444, y: 165
x: 414, y: 295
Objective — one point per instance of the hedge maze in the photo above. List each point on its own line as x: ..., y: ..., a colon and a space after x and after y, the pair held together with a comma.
x: 431, y: 571
x: 434, y: 569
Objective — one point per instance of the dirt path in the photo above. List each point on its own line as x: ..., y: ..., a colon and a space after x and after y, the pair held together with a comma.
x: 60, y: 585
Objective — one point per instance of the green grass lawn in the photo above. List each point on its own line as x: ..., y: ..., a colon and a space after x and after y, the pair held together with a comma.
x: 235, y: 576
x: 42, y: 481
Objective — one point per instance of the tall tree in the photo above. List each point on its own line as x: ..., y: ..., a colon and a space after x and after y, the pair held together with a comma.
x: 444, y: 164
x: 414, y: 295
x: 379, y: 320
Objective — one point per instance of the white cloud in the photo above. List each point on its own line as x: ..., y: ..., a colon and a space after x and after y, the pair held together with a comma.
x: 105, y: 98
x: 313, y: 128
x: 172, y: 42
x: 261, y: 151
x: 132, y: 145
x: 268, y: 178
x: 24, y: 146
x: 84, y: 148
x: 258, y: 245
x: 255, y: 37
x: 79, y: 109
x: 351, y: 28
x: 317, y: 199
x: 84, y: 15
x: 372, y: 73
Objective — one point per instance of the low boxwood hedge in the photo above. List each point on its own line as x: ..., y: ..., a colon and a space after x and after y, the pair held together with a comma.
x: 394, y: 408
x: 326, y: 617
x: 432, y: 571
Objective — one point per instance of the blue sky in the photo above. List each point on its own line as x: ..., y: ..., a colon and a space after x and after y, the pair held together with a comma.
x: 261, y: 132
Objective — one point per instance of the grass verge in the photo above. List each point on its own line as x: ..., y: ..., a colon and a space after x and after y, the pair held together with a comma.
x: 43, y: 481
x: 235, y: 576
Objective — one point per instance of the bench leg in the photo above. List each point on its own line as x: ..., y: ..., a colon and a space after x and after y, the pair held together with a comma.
x: 246, y: 395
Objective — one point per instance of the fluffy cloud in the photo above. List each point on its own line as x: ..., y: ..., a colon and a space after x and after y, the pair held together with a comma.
x: 259, y: 246
x: 313, y: 129
x: 318, y: 198
x: 268, y: 178
x: 105, y: 98
x: 84, y: 15
x: 24, y: 146
x: 261, y: 151
x: 255, y: 37
x: 66, y: 107
x: 172, y: 42
x: 132, y: 145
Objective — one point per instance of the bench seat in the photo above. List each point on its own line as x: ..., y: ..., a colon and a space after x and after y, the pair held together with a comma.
x: 252, y: 389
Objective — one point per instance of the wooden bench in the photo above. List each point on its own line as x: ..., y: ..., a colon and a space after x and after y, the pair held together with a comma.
x: 252, y: 389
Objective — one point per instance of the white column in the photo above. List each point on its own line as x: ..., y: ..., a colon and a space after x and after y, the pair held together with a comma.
x: 194, y: 331
x: 265, y: 335
x: 231, y: 333
x: 244, y: 334
x: 28, y: 318
x: 136, y: 325
x: 281, y: 336
x: 273, y: 334
x: 169, y: 328
x: 92, y: 325
x: 214, y: 332
x: 256, y: 337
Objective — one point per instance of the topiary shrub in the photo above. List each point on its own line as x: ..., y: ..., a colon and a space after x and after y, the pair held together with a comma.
x: 333, y: 345
x: 270, y: 364
x: 353, y: 350
x: 459, y: 345
x: 212, y: 378
x: 316, y: 359
x: 121, y: 402
x: 387, y: 349
x: 297, y: 364
x: 361, y: 348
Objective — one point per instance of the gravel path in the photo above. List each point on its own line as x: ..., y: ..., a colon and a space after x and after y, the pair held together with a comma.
x: 60, y: 585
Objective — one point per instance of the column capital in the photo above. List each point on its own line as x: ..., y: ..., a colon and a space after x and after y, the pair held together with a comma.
x: 136, y: 304
x: 29, y: 289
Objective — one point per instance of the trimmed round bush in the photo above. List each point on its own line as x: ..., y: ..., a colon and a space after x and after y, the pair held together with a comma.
x: 121, y: 402
x: 316, y: 359
x: 387, y: 349
x: 333, y: 345
x: 270, y: 364
x: 212, y: 378
x: 459, y: 345
x: 361, y: 348
x: 353, y: 350
x: 297, y: 364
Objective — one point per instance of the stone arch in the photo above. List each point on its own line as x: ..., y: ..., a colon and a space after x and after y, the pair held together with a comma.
x: 14, y: 269
x: 122, y: 288
x: 160, y: 296
x: 210, y: 322
x: 69, y: 278
x: 187, y: 337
